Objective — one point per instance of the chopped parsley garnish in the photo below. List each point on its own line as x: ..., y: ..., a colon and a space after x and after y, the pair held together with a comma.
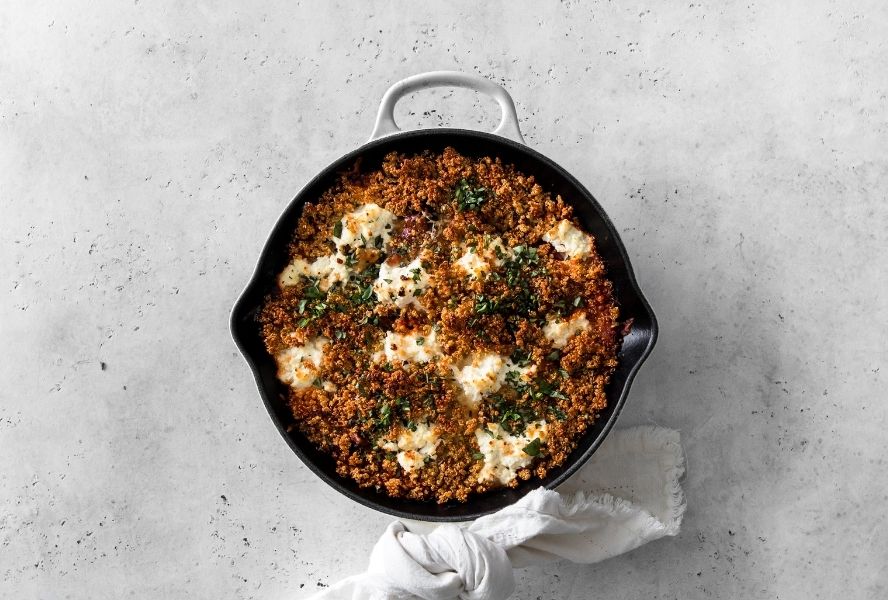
x: 485, y: 305
x: 520, y: 300
x: 364, y: 295
x: 383, y: 417
x: 469, y: 197
x: 420, y: 341
x: 337, y: 229
x: 519, y: 264
x: 520, y: 357
x: 313, y: 304
x: 478, y: 456
x: 512, y: 417
x: 370, y: 319
x: 557, y: 412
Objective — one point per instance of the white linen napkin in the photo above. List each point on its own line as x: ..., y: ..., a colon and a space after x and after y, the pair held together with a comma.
x: 628, y: 494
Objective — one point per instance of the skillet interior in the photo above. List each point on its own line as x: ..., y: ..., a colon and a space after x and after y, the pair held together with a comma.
x: 636, y: 346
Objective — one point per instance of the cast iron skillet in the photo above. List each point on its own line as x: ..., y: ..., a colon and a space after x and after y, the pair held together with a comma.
x: 506, y: 143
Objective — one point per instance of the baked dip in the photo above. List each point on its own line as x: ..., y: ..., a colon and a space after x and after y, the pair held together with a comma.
x: 444, y: 327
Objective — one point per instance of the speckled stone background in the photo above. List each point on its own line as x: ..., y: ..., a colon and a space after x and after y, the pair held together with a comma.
x: 146, y: 148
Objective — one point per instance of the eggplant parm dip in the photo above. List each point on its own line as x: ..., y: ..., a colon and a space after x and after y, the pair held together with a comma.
x: 444, y: 326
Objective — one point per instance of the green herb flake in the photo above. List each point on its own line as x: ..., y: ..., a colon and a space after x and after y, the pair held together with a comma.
x: 485, y: 305
x: 384, y: 419
x: 420, y: 341
x: 337, y: 230
x: 478, y: 456
x: 533, y: 448
x: 559, y: 414
x: 520, y: 357
x: 469, y: 197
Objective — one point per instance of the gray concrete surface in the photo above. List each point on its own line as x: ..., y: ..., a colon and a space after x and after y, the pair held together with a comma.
x: 146, y: 148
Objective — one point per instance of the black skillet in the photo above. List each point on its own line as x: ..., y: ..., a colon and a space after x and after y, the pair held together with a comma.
x: 506, y: 143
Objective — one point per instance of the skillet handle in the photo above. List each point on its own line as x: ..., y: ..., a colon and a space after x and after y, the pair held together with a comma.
x: 385, y: 119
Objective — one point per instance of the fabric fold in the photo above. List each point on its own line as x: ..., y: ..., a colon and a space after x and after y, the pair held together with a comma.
x: 628, y: 494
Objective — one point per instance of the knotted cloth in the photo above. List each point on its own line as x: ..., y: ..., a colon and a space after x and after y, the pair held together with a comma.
x: 628, y: 494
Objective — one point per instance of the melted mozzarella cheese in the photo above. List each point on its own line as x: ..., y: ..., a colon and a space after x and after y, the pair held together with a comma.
x: 504, y: 453
x: 414, y: 448
x: 485, y: 374
x: 401, y: 286
x: 477, y: 261
x: 558, y: 331
x: 363, y: 225
x: 473, y: 264
x: 298, y: 365
x: 410, y: 347
x: 328, y: 270
x: 569, y: 240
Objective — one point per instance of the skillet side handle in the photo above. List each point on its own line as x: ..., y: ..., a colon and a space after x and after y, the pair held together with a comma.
x: 385, y: 118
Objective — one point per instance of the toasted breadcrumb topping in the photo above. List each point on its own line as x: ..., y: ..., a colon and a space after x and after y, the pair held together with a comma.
x: 444, y: 326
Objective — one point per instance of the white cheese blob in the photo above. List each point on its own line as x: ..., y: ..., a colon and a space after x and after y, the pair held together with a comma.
x: 363, y: 225
x: 473, y: 264
x: 297, y: 366
x: 414, y: 448
x: 401, y: 286
x: 476, y: 261
x: 485, y: 374
x: 504, y: 453
x: 410, y: 347
x: 569, y: 240
x: 328, y: 270
x: 558, y: 331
